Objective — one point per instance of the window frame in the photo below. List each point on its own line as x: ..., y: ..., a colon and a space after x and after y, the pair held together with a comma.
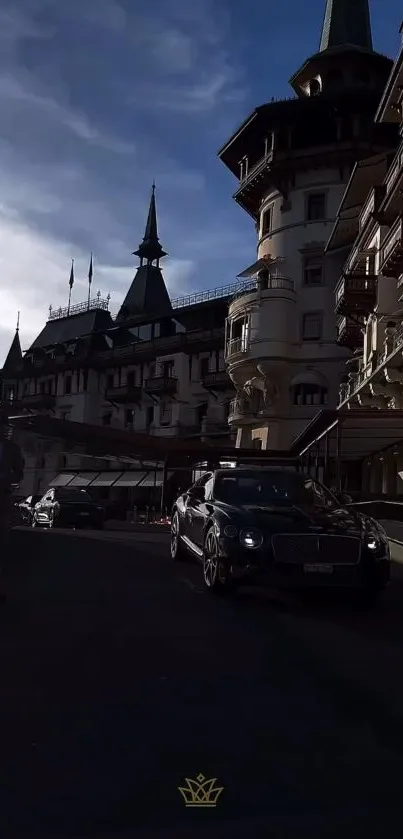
x: 266, y: 228
x: 317, y: 258
x: 318, y: 314
x: 308, y: 197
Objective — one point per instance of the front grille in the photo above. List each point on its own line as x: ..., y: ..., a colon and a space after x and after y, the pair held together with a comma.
x: 299, y: 549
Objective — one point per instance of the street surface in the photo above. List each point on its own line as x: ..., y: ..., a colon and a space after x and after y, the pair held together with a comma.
x: 120, y: 677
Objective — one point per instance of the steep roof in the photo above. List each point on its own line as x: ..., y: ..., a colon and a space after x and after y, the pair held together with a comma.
x: 147, y: 295
x: 62, y: 330
x: 14, y: 355
x: 346, y: 22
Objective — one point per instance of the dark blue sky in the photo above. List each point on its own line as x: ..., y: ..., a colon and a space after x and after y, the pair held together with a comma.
x: 98, y: 97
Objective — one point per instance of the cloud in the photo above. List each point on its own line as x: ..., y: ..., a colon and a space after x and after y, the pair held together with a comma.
x: 97, y: 100
x: 40, y: 105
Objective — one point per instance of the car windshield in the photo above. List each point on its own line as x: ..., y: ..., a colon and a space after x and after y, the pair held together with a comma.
x: 267, y: 489
x: 72, y: 495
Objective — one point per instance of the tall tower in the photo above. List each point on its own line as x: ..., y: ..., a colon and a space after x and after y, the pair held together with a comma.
x: 147, y: 294
x: 293, y: 159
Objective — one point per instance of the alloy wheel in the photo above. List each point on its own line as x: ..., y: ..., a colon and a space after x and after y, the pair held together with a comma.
x: 210, y: 561
x: 175, y: 536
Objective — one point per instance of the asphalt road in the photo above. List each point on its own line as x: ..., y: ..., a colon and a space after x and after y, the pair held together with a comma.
x: 120, y: 677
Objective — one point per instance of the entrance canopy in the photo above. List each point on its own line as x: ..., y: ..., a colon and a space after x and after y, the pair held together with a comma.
x: 129, y: 478
x: 109, y: 443
x: 350, y: 434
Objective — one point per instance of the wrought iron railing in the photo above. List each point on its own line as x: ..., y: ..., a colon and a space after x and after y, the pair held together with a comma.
x: 76, y: 309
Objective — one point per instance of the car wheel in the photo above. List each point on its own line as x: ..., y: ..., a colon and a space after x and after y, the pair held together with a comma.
x: 178, y: 552
x: 216, y: 577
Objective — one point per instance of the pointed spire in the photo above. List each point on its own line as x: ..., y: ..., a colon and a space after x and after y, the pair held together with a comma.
x: 150, y: 248
x: 346, y: 22
x: 14, y: 355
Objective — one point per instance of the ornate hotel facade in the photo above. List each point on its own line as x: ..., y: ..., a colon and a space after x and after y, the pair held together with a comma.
x: 273, y: 347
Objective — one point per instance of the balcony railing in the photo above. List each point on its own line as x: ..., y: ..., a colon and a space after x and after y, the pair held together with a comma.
x: 371, y: 205
x: 236, y: 346
x: 394, y: 172
x: 273, y: 282
x: 255, y: 171
x: 96, y: 303
x: 391, y: 257
x: 124, y: 394
x: 356, y: 293
x: 349, y: 333
x: 217, y: 380
x: 38, y: 401
x: 161, y: 384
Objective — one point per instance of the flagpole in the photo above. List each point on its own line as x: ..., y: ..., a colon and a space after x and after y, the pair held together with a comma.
x: 71, y: 283
x: 90, y: 270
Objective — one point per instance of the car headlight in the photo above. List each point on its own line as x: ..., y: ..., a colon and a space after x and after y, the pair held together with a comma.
x: 376, y: 544
x: 251, y: 538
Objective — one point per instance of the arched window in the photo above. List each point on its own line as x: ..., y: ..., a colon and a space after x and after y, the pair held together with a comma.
x: 309, y: 388
x: 315, y: 87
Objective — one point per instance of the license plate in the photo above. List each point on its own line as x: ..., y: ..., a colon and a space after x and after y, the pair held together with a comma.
x: 318, y: 569
x: 84, y: 514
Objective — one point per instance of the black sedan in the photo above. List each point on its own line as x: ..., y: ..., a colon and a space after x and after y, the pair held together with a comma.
x: 64, y: 507
x: 277, y: 527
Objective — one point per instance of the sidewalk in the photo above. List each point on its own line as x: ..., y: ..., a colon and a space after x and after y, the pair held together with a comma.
x: 135, y: 527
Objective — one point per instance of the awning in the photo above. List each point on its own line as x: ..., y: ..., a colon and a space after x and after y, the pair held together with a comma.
x: 362, y: 432
x: 105, y: 479
x: 83, y: 479
x: 309, y: 377
x: 152, y: 479
x: 130, y: 479
x: 263, y: 262
x: 62, y: 480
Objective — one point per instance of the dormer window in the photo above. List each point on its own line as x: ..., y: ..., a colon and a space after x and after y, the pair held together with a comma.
x: 315, y: 87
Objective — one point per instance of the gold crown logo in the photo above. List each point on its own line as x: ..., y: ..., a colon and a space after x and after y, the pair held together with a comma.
x: 201, y: 792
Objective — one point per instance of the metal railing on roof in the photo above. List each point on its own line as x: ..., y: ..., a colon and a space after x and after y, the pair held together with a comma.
x: 76, y: 309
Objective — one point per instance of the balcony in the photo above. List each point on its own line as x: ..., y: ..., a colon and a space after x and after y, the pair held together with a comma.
x: 356, y: 294
x: 246, y: 410
x: 161, y: 385
x: 37, y: 402
x: 254, y: 176
x: 236, y: 347
x: 124, y: 395
x: 372, y: 205
x: 349, y: 333
x: 392, y: 185
x: 218, y: 380
x: 391, y: 256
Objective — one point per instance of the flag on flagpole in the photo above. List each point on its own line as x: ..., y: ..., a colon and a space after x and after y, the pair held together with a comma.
x: 90, y: 272
x: 71, y: 280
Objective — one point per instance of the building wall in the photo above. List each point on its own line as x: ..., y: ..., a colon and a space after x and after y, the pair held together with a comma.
x: 277, y: 349
x: 192, y: 409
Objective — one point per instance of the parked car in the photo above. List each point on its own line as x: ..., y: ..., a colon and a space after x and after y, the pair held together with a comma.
x: 64, y: 507
x: 26, y: 508
x: 277, y: 527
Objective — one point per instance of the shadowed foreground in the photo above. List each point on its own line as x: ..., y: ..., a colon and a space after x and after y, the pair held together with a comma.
x: 120, y: 676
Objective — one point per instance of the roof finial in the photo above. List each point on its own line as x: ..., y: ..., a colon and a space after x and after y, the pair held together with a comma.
x: 18, y: 322
x: 150, y: 248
